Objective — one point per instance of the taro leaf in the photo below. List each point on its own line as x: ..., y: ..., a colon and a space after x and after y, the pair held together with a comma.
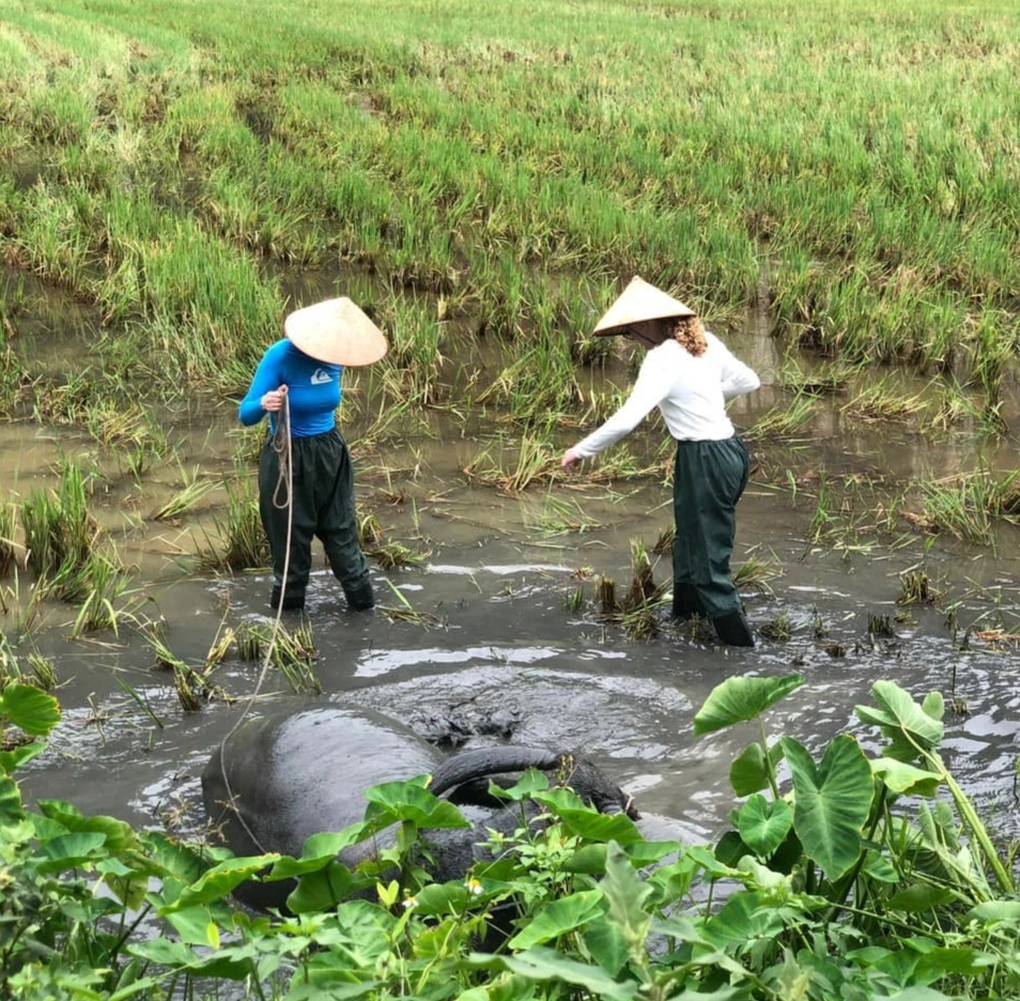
x: 606, y: 945
x: 831, y: 803
x: 994, y: 911
x: 905, y: 724
x: 763, y: 824
x: 392, y: 802
x: 902, y: 777
x: 750, y: 770
x: 560, y: 917
x: 319, y: 850
x: 18, y: 756
x: 739, y: 699
x: 32, y: 710
x: 438, y: 899
x: 72, y: 851
x: 919, y: 897
x: 543, y: 964
x: 531, y: 781
x: 325, y: 887
x: 627, y: 894
x: 231, y: 963
x: 586, y: 822
x: 219, y: 881
x: 10, y: 802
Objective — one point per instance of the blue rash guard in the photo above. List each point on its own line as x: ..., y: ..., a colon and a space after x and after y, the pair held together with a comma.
x: 313, y: 390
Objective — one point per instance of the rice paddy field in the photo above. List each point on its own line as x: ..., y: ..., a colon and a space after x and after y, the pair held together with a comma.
x: 834, y: 186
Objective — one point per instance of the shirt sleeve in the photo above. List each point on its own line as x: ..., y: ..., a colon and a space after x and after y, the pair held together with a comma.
x: 266, y: 378
x: 651, y: 388
x: 737, y: 378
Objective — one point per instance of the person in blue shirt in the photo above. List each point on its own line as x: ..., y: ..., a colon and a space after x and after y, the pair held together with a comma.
x: 301, y: 372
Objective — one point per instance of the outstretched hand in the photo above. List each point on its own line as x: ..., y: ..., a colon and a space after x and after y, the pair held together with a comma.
x: 569, y: 461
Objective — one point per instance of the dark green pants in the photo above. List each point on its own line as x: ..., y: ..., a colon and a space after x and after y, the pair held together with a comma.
x: 323, y: 506
x: 708, y: 479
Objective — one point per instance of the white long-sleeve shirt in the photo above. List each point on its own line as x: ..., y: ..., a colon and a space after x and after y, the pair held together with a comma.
x: 690, y: 393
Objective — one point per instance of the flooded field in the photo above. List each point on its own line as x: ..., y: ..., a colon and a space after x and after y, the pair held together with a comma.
x: 498, y: 647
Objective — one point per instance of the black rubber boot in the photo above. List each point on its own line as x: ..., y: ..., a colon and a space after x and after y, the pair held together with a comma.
x: 733, y: 629
x: 686, y: 603
x: 360, y: 597
x: 292, y: 601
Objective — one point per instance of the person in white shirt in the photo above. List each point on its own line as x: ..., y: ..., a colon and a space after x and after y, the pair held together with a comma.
x: 688, y: 373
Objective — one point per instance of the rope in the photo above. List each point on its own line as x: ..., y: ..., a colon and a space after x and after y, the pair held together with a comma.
x: 281, y: 444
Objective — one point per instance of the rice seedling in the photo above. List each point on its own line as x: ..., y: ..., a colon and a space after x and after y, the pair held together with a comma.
x: 574, y: 602
x: 185, y: 499
x: 106, y: 585
x: 783, y: 422
x: 754, y: 573
x: 778, y: 628
x: 917, y: 588
x: 8, y: 546
x: 294, y: 654
x: 370, y: 532
x: 62, y: 538
x: 643, y: 590
x: 882, y: 401
x: 392, y: 555
x: 241, y: 543
x: 406, y: 612
x: 532, y: 462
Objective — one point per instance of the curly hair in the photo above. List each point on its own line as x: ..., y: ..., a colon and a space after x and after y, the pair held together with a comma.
x: 690, y: 334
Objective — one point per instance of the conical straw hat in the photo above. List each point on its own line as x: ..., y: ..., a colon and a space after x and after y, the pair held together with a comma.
x: 336, y: 332
x: 639, y: 301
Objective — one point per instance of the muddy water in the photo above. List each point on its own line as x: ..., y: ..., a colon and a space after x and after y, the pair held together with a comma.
x: 498, y: 643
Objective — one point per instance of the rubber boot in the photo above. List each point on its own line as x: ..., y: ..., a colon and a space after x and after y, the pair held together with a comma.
x: 292, y: 601
x: 360, y: 597
x: 733, y: 630
x: 686, y: 603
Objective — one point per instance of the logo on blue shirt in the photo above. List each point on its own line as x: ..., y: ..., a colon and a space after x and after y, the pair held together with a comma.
x: 319, y: 376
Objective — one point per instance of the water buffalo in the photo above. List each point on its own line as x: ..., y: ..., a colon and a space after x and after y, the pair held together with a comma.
x: 276, y: 780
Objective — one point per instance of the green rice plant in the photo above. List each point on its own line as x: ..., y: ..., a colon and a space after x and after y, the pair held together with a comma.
x: 414, y: 361
x: 574, y: 602
x: 643, y: 589
x: 755, y: 573
x: 918, y: 588
x: 779, y: 627
x: 391, y: 555
x: 883, y: 401
x: 241, y: 542
x: 294, y: 653
x: 783, y: 422
x: 61, y: 537
x: 8, y: 546
x: 185, y: 499
x: 106, y: 584
x: 406, y: 612
x: 370, y: 532
x: 532, y: 462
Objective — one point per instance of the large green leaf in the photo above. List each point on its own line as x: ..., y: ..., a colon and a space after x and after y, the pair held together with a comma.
x: 763, y: 824
x: 32, y: 710
x: 219, y: 881
x: 559, y: 917
x: 542, y: 964
x: 750, y: 770
x: 909, y: 727
x: 903, y: 778
x: 18, y: 756
x: 396, y: 801
x: 739, y: 699
x: 832, y: 802
x: 11, y: 810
